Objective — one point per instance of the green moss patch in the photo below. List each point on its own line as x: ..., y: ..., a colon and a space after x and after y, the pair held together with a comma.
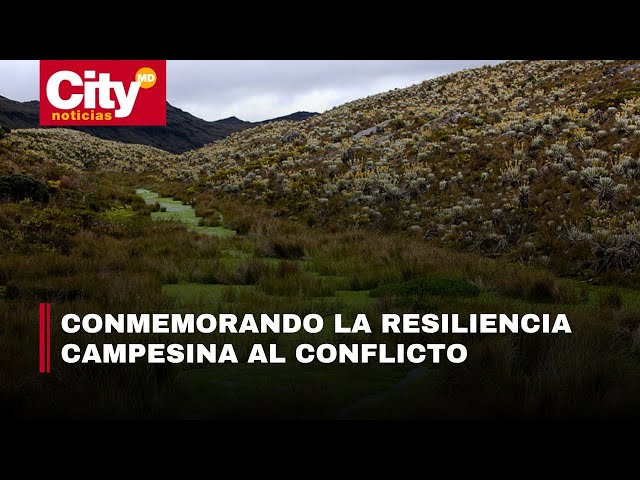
x: 175, y: 210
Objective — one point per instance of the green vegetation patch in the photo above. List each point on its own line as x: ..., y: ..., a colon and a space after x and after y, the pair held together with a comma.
x: 20, y: 187
x: 192, y: 295
x: 613, y: 100
x: 171, y: 209
x: 119, y: 213
x: 291, y: 390
x: 437, y: 286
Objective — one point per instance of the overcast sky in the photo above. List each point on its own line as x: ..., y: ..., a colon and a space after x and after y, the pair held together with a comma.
x: 260, y: 89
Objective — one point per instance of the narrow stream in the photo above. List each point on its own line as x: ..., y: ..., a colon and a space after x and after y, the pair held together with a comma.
x: 176, y: 210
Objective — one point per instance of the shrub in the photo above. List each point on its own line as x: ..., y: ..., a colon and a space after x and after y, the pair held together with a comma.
x: 20, y: 187
x: 288, y: 279
x: 208, y: 272
x: 169, y: 273
x: 242, y: 226
x: 251, y: 271
x: 566, y: 292
x: 414, y: 303
x: 437, y: 286
x: 615, y: 252
x: 210, y: 222
x: 610, y: 299
x: 540, y: 291
x: 285, y: 249
x: 360, y: 282
x: 604, y: 101
x: 398, y: 124
x: 288, y: 250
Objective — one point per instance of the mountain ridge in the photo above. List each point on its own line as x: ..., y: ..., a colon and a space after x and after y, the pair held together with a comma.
x: 184, y: 131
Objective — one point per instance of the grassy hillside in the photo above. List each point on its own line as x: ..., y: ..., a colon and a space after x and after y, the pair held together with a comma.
x: 76, y: 151
x: 535, y: 160
x: 488, y: 190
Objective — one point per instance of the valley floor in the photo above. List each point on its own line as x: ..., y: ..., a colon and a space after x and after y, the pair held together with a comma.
x: 110, y: 254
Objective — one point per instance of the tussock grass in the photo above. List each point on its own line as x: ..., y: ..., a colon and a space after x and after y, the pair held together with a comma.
x: 437, y: 286
x: 86, y: 260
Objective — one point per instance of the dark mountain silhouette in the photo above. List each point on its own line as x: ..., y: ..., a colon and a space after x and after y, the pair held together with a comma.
x: 293, y: 117
x: 183, y: 131
x: 19, y: 114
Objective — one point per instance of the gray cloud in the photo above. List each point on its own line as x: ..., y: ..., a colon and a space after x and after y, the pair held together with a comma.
x: 259, y: 89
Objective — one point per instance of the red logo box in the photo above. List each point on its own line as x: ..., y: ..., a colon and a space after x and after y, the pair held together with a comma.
x: 103, y: 93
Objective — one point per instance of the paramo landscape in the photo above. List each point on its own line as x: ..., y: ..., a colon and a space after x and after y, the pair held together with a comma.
x: 510, y: 189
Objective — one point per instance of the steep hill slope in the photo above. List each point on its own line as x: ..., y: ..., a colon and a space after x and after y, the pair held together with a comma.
x: 73, y: 150
x: 183, y: 131
x: 531, y: 159
x: 19, y: 114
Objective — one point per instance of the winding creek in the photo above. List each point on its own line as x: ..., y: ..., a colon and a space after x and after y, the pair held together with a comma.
x: 176, y: 210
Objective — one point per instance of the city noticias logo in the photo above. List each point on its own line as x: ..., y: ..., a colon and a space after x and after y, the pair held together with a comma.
x: 103, y: 93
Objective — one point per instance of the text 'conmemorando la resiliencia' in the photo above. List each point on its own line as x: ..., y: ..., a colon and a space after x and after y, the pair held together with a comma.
x: 154, y: 325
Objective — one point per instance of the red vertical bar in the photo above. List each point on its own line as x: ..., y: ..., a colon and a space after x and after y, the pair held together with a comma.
x: 48, y: 338
x: 42, y: 339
